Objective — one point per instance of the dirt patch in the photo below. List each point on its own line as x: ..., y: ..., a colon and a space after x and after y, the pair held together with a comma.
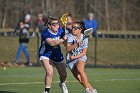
x: 8, y: 64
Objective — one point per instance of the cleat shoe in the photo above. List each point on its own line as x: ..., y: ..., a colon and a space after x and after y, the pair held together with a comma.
x: 28, y: 64
x: 63, y: 87
x: 46, y: 92
x: 87, y: 90
x: 94, y: 91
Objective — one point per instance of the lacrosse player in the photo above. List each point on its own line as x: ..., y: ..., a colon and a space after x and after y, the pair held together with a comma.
x: 50, y: 54
x: 76, y: 55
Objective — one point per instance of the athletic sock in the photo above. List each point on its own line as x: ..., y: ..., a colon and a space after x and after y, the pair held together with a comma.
x: 47, y: 89
x: 87, y: 89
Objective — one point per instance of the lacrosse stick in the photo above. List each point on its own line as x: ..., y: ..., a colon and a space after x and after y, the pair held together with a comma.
x: 87, y: 33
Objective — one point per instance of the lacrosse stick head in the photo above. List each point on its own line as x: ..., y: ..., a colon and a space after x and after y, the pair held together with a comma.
x: 88, y: 32
x: 64, y: 19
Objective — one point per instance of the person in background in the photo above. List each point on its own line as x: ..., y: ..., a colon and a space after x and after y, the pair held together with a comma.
x: 39, y: 26
x: 23, y: 41
x: 91, y: 22
x: 40, y: 23
x: 27, y: 22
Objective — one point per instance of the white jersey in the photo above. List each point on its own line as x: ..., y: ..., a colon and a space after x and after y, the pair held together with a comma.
x: 72, y: 40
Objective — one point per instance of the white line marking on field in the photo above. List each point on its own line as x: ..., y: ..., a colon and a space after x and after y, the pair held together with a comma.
x: 32, y: 83
x: 20, y: 83
x: 123, y: 79
x: 69, y: 74
x: 118, y: 79
x: 68, y: 81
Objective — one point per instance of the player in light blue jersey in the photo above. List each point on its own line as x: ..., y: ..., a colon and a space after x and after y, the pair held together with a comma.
x: 50, y: 54
x: 76, y: 55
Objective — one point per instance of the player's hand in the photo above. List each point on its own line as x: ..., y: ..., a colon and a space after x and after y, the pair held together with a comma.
x: 65, y: 37
x: 72, y: 58
x: 61, y: 40
x: 79, y: 43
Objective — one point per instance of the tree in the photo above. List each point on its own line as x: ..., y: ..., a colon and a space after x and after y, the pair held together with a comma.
x: 5, y: 14
x: 107, y: 15
x: 124, y: 15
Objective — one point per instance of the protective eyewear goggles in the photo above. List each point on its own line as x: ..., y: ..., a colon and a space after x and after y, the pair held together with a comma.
x: 55, y: 24
x: 75, y: 28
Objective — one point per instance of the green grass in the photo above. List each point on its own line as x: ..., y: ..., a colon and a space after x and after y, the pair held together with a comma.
x: 109, y: 51
x: 9, y: 46
x: 120, y: 32
x: 118, y: 51
x: 21, y: 80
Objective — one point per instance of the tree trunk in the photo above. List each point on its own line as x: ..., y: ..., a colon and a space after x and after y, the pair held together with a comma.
x: 43, y: 2
x: 85, y: 7
x: 4, y: 15
x: 0, y: 18
x: 48, y: 10
x: 123, y: 16
x: 53, y: 6
x: 95, y: 5
x: 107, y: 15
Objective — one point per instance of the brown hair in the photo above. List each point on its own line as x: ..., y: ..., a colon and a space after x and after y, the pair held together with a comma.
x: 81, y: 24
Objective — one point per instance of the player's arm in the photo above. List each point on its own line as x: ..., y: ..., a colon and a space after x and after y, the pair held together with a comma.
x: 70, y: 47
x: 52, y: 42
x: 79, y: 55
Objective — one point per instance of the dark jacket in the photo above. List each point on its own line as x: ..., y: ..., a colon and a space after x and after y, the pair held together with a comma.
x: 40, y: 25
x: 17, y: 28
x: 24, y: 36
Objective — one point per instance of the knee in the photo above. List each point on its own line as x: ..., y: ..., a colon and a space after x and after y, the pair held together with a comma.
x: 80, y: 82
x: 80, y: 72
x: 63, y: 75
x: 79, y: 79
x: 49, y: 74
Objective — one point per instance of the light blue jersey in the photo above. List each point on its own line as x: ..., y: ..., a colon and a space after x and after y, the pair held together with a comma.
x: 84, y: 44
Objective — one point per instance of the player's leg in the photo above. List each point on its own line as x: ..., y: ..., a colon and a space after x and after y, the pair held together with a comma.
x: 78, y: 77
x: 20, y: 49
x: 47, y: 64
x: 80, y: 66
x: 81, y: 71
x: 61, y: 68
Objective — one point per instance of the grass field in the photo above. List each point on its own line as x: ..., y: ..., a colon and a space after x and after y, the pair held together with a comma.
x: 30, y: 80
x: 109, y: 51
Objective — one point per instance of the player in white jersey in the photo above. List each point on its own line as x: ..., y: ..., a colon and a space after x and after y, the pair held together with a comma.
x: 76, y: 56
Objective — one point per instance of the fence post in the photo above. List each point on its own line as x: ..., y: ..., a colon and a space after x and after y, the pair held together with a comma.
x: 95, y: 52
x: 37, y: 48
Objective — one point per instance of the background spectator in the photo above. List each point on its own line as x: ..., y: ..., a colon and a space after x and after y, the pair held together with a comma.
x: 40, y: 23
x: 69, y: 24
x: 27, y: 21
x: 23, y: 41
x: 91, y: 22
